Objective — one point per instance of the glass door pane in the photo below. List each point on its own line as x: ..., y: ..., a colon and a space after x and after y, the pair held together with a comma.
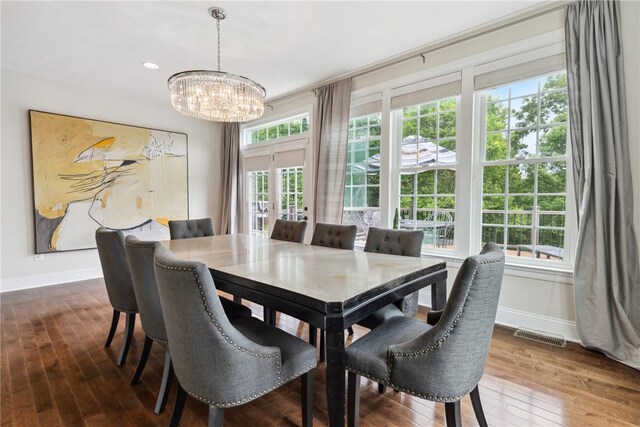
x: 291, y: 194
x: 258, y: 203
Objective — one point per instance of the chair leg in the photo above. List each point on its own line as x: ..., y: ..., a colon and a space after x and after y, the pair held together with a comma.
x: 128, y: 336
x: 307, y: 398
x: 216, y: 417
x: 477, y: 407
x: 148, y: 342
x: 165, y: 386
x: 353, y: 399
x: 181, y: 396
x: 322, y: 347
x: 452, y: 413
x: 114, y: 326
x: 381, y: 388
x: 350, y: 329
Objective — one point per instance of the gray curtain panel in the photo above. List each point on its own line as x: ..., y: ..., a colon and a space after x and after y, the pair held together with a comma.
x: 606, y: 278
x: 330, y: 133
x: 231, y: 203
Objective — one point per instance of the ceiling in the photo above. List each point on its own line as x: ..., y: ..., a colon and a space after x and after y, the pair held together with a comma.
x: 281, y: 45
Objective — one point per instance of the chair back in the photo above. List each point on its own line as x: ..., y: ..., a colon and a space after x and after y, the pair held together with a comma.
x: 394, y: 242
x: 334, y: 236
x: 140, y: 256
x: 188, y: 228
x: 290, y: 231
x: 212, y: 360
x: 448, y: 360
x: 115, y: 269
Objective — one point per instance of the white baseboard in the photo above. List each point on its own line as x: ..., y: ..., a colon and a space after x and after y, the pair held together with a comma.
x: 551, y: 325
x: 522, y: 319
x: 39, y: 280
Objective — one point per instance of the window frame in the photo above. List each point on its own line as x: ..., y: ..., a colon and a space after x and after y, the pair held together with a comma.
x: 397, y: 170
x: 566, y: 263
x: 276, y: 121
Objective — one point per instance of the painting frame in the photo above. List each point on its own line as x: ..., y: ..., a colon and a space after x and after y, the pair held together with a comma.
x: 88, y: 173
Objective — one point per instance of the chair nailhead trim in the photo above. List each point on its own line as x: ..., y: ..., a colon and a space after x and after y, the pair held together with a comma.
x: 250, y: 398
x: 424, y: 396
x: 158, y: 340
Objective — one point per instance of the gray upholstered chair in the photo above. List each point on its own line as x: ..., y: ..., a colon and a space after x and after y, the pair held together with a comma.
x: 219, y: 362
x: 334, y: 236
x: 331, y: 236
x: 290, y: 231
x: 441, y: 361
x: 188, y: 228
x: 140, y: 257
x: 117, y: 279
x: 394, y: 242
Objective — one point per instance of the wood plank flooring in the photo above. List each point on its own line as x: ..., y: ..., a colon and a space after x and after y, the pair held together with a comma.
x: 55, y: 371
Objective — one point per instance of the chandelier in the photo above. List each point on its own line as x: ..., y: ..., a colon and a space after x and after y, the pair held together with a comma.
x: 216, y: 95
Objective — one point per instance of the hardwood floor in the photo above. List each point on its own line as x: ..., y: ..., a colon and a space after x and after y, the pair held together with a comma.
x: 56, y: 371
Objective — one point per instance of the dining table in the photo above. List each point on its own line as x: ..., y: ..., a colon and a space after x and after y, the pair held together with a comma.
x: 331, y: 289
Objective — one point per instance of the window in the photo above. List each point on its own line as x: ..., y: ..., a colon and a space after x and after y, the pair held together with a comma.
x: 291, y: 126
x: 291, y: 200
x: 524, y: 170
x: 428, y: 171
x: 258, y: 195
x: 362, y: 181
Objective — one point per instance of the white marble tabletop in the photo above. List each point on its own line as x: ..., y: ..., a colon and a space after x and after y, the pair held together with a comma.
x: 324, y: 274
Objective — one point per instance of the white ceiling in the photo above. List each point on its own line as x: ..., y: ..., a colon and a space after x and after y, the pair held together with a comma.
x: 281, y: 45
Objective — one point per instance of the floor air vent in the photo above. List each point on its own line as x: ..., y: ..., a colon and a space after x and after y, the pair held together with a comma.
x: 542, y: 337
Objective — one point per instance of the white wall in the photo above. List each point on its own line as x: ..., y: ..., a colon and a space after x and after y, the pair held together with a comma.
x: 22, y: 92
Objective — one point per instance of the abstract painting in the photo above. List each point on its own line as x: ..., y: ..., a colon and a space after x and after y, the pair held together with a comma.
x: 90, y: 173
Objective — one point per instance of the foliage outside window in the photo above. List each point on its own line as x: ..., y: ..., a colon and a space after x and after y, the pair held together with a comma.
x: 428, y: 171
x: 362, y: 181
x: 290, y: 126
x: 258, y: 187
x: 525, y: 167
x: 291, y: 200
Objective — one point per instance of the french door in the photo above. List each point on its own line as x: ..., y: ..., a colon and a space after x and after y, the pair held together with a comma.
x: 276, y: 185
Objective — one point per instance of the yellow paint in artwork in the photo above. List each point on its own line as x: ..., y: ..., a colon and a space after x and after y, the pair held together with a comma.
x: 104, y: 196
x: 58, y: 140
x: 162, y: 220
x: 139, y: 202
x: 105, y: 143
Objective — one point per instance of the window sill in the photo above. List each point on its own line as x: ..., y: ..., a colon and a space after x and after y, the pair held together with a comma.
x: 562, y: 275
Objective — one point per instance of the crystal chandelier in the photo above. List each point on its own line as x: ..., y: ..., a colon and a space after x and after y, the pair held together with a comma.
x: 216, y: 95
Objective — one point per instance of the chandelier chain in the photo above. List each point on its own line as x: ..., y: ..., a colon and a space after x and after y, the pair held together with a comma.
x: 218, y: 25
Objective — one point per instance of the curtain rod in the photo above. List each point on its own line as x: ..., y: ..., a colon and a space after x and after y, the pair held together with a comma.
x: 423, y: 50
